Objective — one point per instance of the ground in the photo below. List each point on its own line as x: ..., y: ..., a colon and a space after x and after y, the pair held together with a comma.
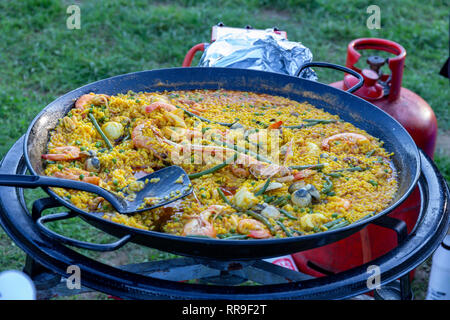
x: 41, y: 58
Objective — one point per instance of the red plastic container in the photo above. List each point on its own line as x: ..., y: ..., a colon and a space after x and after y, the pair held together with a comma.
x: 386, y: 92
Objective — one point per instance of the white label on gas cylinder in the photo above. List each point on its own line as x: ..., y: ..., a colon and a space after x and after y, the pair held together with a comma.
x: 283, y: 261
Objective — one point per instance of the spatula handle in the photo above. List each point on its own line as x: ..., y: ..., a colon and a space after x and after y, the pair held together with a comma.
x: 28, y: 181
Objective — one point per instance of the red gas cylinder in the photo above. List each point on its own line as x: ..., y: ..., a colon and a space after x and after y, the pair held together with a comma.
x: 385, y: 91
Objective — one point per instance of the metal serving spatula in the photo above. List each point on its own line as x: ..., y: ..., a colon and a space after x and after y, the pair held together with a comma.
x: 167, y: 185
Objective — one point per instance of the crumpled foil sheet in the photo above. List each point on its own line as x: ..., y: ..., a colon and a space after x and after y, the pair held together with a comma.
x: 267, y: 52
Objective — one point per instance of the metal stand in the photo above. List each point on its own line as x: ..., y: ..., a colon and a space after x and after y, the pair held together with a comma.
x: 211, y: 272
x: 185, y: 278
x: 399, y: 289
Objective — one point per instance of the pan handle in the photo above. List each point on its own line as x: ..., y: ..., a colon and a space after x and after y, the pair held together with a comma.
x: 73, y: 242
x: 335, y: 67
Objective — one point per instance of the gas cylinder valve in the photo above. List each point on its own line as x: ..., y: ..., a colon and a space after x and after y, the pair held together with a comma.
x: 375, y: 63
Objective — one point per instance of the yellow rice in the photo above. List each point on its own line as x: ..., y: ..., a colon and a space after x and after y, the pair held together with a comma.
x: 368, y: 191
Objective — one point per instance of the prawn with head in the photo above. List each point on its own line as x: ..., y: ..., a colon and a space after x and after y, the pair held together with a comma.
x: 155, y: 139
x: 86, y: 100
x: 349, y: 137
x: 200, y: 225
x: 148, y: 135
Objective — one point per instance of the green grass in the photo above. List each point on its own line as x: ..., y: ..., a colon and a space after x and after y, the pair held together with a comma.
x: 40, y: 59
x: 443, y: 162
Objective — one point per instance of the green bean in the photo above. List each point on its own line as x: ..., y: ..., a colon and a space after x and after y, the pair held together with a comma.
x: 287, y: 214
x: 262, y: 219
x: 327, y: 186
x: 199, y: 236
x: 264, y: 125
x: 370, y: 153
x: 352, y: 169
x: 213, y: 169
x: 297, y: 126
x: 263, y: 188
x: 328, y: 225
x: 339, y: 225
x: 191, y: 114
x: 278, y: 200
x: 252, y: 143
x: 367, y: 216
x: 283, y: 203
x: 308, y: 166
x: 225, y: 199
x: 236, y: 237
x: 241, y: 150
x: 99, y: 130
x: 286, y: 230
x: 334, y: 174
x: 357, y: 168
x: 270, y: 199
x: 310, y: 123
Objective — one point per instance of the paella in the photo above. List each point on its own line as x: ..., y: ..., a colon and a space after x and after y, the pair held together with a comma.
x: 261, y: 166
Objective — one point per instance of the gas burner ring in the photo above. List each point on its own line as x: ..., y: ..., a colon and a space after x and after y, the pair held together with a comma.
x: 127, y: 282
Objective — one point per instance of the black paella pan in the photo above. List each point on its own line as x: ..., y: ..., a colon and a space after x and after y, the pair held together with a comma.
x: 348, y: 107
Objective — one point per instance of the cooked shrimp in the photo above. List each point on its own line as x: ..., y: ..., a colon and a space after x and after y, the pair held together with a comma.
x: 347, y: 136
x: 69, y: 124
x: 298, y: 176
x: 169, y: 112
x: 174, y: 119
x: 253, y: 228
x: 200, y: 225
x: 63, y: 153
x: 178, y: 134
x: 194, y: 107
x: 262, y: 170
x: 148, y: 142
x: 160, y: 105
x: 88, y: 99
x: 288, y: 178
x: 259, y: 169
x: 197, y: 109
x: 191, y: 103
x: 344, y: 203
x: 239, y: 171
x: 304, y: 174
x: 77, y: 174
